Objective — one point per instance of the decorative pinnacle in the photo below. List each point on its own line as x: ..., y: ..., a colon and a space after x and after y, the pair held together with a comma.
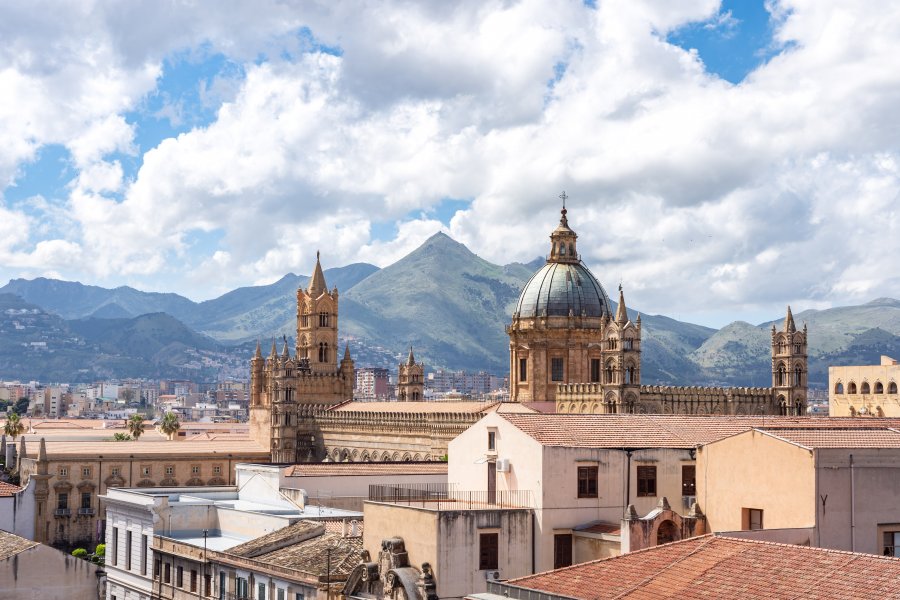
x: 562, y: 219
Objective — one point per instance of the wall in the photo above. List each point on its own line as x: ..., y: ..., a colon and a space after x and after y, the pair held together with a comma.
x: 347, y: 492
x: 17, y: 513
x: 755, y: 470
x: 886, y: 405
x: 44, y: 572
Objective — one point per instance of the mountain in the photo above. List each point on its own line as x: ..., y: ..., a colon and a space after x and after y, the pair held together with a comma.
x: 35, y: 344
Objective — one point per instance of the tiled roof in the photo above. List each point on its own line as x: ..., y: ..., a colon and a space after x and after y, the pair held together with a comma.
x: 8, y: 489
x: 340, y: 469
x: 839, y: 438
x: 11, y: 544
x: 600, y: 527
x: 662, y: 431
x: 416, y: 407
x: 296, y: 532
x: 311, y: 556
x: 720, y: 567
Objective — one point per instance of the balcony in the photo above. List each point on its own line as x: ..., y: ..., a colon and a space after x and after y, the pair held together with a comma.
x: 62, y: 512
x: 85, y: 511
x: 442, y: 496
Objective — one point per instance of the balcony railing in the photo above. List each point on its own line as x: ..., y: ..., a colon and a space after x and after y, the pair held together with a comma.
x: 86, y: 511
x: 63, y: 512
x: 445, y: 497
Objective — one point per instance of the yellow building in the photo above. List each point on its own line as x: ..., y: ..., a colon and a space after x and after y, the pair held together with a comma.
x: 864, y: 391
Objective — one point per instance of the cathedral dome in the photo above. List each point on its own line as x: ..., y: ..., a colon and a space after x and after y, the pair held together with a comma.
x: 560, y: 289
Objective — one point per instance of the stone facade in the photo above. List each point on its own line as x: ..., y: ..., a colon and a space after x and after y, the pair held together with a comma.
x: 864, y: 391
x: 566, y: 346
x: 411, y: 380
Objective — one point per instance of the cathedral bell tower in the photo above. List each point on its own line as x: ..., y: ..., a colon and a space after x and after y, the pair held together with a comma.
x: 411, y: 380
x: 789, y: 368
x: 317, y: 323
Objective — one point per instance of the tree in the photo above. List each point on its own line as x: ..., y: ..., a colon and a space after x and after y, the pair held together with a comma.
x: 21, y: 406
x: 136, y: 425
x: 169, y: 425
x: 121, y: 437
x: 14, y: 426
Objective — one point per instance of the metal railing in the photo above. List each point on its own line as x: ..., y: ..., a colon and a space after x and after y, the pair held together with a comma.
x: 62, y: 512
x: 86, y: 511
x: 446, y: 497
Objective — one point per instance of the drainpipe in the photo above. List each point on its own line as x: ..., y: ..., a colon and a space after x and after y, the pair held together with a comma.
x: 533, y: 541
x: 627, y: 479
x: 852, y: 507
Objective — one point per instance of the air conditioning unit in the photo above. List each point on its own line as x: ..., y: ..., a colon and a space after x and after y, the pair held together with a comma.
x: 492, y: 575
x: 503, y: 465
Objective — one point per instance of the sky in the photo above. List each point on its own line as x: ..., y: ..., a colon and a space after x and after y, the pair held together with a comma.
x: 721, y: 159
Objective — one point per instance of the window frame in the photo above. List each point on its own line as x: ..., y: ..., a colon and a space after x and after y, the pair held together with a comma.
x: 489, y: 551
x: 557, y: 369
x: 523, y: 369
x: 588, y: 481
x: 689, y: 485
x: 646, y: 481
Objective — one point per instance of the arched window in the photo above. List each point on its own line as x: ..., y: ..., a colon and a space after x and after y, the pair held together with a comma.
x: 612, y: 343
x: 879, y: 389
x: 839, y: 388
x: 798, y: 375
x: 609, y: 372
x: 864, y: 388
x: 323, y: 319
x: 851, y: 388
x: 562, y: 249
x: 629, y: 374
x: 892, y: 388
x: 797, y: 348
x: 781, y: 375
x: 323, y: 352
x: 628, y: 344
x: 572, y: 249
x: 415, y: 396
x: 782, y: 406
x: 782, y: 347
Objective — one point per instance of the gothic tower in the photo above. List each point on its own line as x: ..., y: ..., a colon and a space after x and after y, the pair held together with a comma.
x: 621, y: 361
x: 789, y: 368
x: 411, y: 380
x: 317, y: 323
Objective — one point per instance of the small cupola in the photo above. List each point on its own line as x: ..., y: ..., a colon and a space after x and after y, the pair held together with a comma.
x: 563, y: 246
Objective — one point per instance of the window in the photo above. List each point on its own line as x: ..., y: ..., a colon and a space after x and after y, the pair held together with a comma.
x: 193, y: 580
x: 299, y: 596
x: 646, y: 481
x: 752, y: 518
x: 127, y: 550
x: 492, y: 440
x: 523, y: 369
x: 587, y: 482
x: 595, y: 370
x: 323, y: 352
x: 195, y: 469
x: 562, y: 550
x: 85, y: 499
x: 115, y: 545
x: 556, y: 369
x: 179, y: 576
x: 864, y: 388
x: 217, y: 469
x: 86, y: 472
x: 62, y: 500
x: 261, y: 591
x: 145, y: 471
x: 839, y: 388
x: 170, y: 470
x: 891, y: 543
x: 628, y: 344
x: 304, y: 321
x: 207, y: 584
x: 797, y: 348
x: 892, y: 388
x: 157, y: 566
x: 609, y: 373
x: 851, y: 388
x: 280, y: 594
x: 488, y: 545
x: 323, y: 319
x: 144, y: 541
x: 688, y: 480
x: 241, y: 588
x: 879, y: 389
x: 114, y: 471
x: 64, y: 471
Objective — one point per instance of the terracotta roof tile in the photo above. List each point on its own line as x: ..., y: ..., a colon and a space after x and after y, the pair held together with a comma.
x: 720, y: 567
x: 416, y: 407
x: 347, y: 469
x: 310, y: 556
x: 600, y: 527
x: 839, y: 438
x: 294, y: 533
x: 663, y: 431
x: 7, y: 489
x: 11, y: 544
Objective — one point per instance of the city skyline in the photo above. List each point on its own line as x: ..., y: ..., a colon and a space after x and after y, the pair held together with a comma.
x: 721, y: 159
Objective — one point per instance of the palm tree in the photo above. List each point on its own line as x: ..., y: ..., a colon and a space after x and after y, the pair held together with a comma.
x: 136, y: 425
x: 14, y: 426
x: 169, y: 424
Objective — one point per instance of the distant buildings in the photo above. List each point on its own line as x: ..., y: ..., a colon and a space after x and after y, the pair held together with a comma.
x: 864, y: 391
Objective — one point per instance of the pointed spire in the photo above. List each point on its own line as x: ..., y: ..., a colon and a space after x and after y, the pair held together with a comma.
x: 347, y: 351
x: 42, y: 451
x: 621, y: 311
x: 274, y: 351
x: 285, y: 353
x: 638, y: 320
x: 789, y: 326
x: 317, y: 281
x: 410, y: 360
x: 258, y: 353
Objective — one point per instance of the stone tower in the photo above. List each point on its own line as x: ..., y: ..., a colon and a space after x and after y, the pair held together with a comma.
x: 789, y: 367
x: 411, y: 380
x: 563, y: 331
x: 281, y: 385
x: 317, y: 323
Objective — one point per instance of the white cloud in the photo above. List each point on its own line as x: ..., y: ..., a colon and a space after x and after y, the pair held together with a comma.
x: 696, y: 193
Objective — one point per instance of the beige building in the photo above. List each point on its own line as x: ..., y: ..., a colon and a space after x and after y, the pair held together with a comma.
x: 864, y: 391
x: 32, y: 570
x: 829, y: 487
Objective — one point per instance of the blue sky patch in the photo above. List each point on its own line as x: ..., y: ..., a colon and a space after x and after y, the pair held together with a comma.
x: 47, y: 175
x: 734, y: 42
